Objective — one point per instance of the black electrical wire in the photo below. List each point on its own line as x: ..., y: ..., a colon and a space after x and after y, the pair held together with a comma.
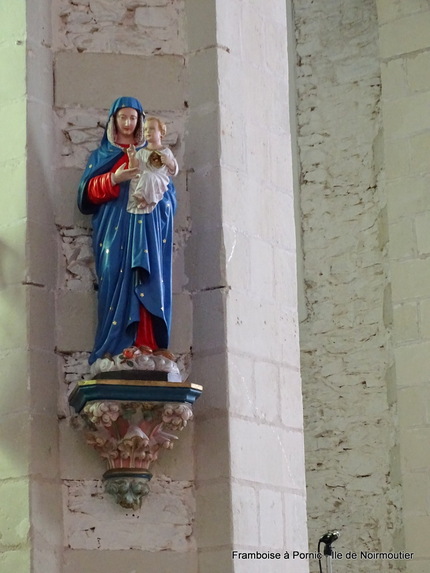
x: 319, y: 558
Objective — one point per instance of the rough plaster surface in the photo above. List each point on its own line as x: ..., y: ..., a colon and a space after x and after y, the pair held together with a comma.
x: 164, y: 522
x: 145, y: 27
x: 349, y: 428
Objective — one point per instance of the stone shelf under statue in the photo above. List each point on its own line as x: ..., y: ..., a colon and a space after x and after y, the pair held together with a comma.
x: 133, y: 409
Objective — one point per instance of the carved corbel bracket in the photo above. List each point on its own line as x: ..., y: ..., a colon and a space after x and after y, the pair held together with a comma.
x: 129, y: 422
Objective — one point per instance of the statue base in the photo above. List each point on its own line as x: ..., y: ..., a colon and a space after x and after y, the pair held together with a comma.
x: 129, y: 421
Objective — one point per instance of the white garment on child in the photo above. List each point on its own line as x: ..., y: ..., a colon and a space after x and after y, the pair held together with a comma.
x: 148, y: 188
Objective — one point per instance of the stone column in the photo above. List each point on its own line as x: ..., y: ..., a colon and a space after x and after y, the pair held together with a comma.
x: 30, y: 512
x: 242, y: 269
x: 14, y: 478
x: 404, y: 39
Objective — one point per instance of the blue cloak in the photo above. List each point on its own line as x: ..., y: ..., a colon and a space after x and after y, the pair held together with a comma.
x: 133, y: 254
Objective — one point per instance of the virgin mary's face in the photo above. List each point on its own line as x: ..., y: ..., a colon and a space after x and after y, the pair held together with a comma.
x: 126, y: 121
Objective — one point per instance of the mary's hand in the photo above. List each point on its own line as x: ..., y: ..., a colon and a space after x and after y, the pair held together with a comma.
x: 122, y: 174
x: 132, y: 161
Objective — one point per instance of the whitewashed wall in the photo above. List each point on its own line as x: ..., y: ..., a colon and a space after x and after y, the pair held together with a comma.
x: 352, y: 476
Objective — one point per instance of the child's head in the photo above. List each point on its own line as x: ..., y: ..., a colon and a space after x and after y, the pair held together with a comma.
x: 154, y: 130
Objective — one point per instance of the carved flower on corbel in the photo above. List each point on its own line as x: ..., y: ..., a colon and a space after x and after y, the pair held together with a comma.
x: 133, y: 444
x: 103, y: 443
x: 161, y: 437
x: 102, y: 413
x: 176, y: 416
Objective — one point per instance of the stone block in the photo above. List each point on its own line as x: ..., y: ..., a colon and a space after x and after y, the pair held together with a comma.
x: 262, y: 333
x: 412, y: 407
x: 40, y: 169
x: 130, y: 561
x: 404, y: 35
x: 262, y: 269
x: 401, y: 203
x: 422, y: 232
x: 419, y: 150
x: 394, y: 79
x: 178, y: 463
x: 39, y: 69
x: 15, y: 394
x: 267, y: 454
x: 412, y: 366
x: 41, y: 254
x: 78, y: 460
x: 410, y: 279
x: 241, y: 389
x: 13, y: 309
x: 15, y: 431
x: 403, y: 243
x: 66, y: 209
x: 212, y: 456
x: 418, y: 565
x: 46, y: 536
x: 76, y: 318
x: 406, y: 116
x: 42, y: 324
x: 254, y: 565
x: 182, y: 322
x: 200, y: 28
x: 16, y: 559
x: 213, y: 525
x: 203, y: 78
x: 163, y: 524
x: 405, y: 323
x: 216, y: 560
x: 14, y: 172
x: 415, y: 455
x: 291, y: 398
x: 235, y: 196
x: 389, y: 10
x: 271, y: 510
x: 205, y: 189
x: 44, y: 446
x: 14, y: 147
x: 418, y: 81
x: 416, y: 538
x: 424, y: 318
x: 153, y: 17
x: 285, y: 279
x: 209, y: 309
x: 13, y: 246
x: 295, y: 522
x: 13, y: 71
x: 211, y: 372
x: 44, y: 373
x: 416, y: 492
x: 245, y: 514
x: 267, y: 396
x: 205, y: 260
x: 15, y: 512
x: 201, y: 151
x: 253, y: 38
x: 90, y: 79
x: 237, y: 258
x: 233, y: 149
